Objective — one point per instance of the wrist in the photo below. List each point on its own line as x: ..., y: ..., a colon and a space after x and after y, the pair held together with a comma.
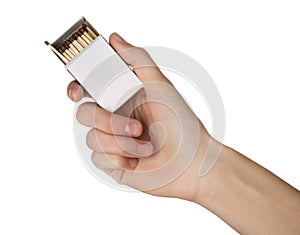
x: 194, y: 186
x: 211, y: 162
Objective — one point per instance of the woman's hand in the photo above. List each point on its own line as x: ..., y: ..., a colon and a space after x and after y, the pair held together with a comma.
x: 154, y: 142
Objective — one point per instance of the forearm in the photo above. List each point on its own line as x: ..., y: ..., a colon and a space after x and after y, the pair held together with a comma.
x: 249, y: 198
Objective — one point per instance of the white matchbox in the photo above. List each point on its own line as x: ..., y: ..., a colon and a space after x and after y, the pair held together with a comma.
x: 101, y: 71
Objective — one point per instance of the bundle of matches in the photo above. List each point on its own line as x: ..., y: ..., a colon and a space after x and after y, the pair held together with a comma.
x: 74, y: 44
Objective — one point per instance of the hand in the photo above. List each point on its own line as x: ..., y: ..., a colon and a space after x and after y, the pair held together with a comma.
x: 154, y: 142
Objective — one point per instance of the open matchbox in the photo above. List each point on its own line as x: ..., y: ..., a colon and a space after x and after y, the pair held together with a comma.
x: 96, y: 65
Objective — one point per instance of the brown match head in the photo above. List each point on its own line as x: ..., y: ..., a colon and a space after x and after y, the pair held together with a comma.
x: 63, y: 47
x: 81, y: 30
x: 61, y: 50
x: 72, y: 38
x: 75, y: 35
x: 83, y: 26
x: 47, y: 43
x: 68, y: 42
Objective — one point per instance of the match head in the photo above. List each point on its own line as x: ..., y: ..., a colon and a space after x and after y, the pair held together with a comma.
x: 84, y: 26
x: 63, y: 47
x: 68, y: 42
x: 47, y: 43
x: 61, y: 50
x: 76, y: 35
x: 72, y: 38
x: 81, y: 30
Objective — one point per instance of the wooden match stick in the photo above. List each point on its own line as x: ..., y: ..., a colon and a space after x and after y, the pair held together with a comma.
x: 65, y: 49
x: 64, y: 54
x: 84, y: 32
x: 90, y: 31
x: 84, y: 37
x: 57, y: 53
x: 76, y: 44
x: 72, y: 47
x: 88, y: 36
x: 80, y: 40
x: 68, y: 50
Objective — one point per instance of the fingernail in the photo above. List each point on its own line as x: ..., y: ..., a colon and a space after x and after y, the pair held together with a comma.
x: 145, y: 149
x: 70, y: 93
x: 132, y: 162
x: 119, y: 38
x: 79, y: 94
x: 132, y: 128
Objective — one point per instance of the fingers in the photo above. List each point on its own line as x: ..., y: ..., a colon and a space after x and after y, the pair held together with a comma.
x: 138, y: 58
x: 111, y: 162
x: 118, y: 145
x: 76, y: 92
x: 91, y: 115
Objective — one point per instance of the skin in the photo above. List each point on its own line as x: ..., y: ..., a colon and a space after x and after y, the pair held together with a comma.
x: 248, y: 197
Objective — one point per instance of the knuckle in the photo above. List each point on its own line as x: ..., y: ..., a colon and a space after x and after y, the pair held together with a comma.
x: 97, y: 119
x: 140, y: 54
x: 114, y: 160
x: 133, y: 55
x: 141, y: 51
x: 107, y: 125
x: 124, y: 152
x: 123, y: 147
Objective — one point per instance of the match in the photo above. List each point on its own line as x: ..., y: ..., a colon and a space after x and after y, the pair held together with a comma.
x: 65, y: 49
x: 80, y: 40
x: 76, y: 44
x: 89, y: 31
x: 57, y: 53
x: 64, y: 54
x: 85, y: 36
x: 72, y: 47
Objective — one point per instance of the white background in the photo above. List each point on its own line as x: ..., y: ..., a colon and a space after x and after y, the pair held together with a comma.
x: 251, y: 50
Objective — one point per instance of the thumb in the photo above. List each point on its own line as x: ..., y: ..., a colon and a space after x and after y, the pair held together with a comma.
x: 138, y: 59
